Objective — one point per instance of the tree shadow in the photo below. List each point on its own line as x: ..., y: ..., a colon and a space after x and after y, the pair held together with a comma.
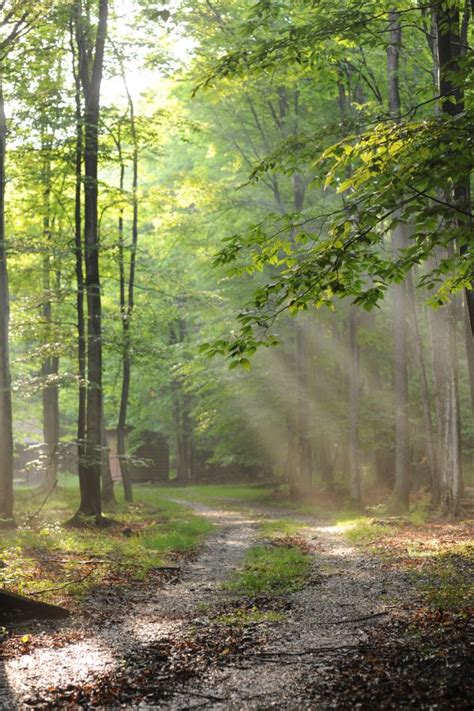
x: 7, y: 698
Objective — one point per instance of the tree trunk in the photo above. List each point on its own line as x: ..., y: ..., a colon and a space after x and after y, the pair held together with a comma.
x: 304, y: 463
x: 91, y: 78
x: 182, y: 417
x: 400, y: 497
x: 80, y: 288
x: 122, y: 418
x: 354, y: 387
x: 50, y: 365
x: 6, y: 429
x: 425, y: 394
x: 452, y: 104
x: 108, y: 496
x: 126, y: 307
x: 451, y: 472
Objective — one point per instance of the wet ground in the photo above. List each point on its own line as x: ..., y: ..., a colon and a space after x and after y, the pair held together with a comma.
x: 159, y: 645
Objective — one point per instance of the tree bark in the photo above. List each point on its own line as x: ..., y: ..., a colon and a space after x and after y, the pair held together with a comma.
x: 127, y: 305
x: 6, y: 428
x: 80, y: 287
x: 452, y: 104
x: 354, y: 453
x: 304, y: 461
x: 400, y: 497
x: 50, y: 365
x: 91, y: 77
x: 182, y: 416
x: 425, y: 395
x: 451, y: 487
x: 108, y: 496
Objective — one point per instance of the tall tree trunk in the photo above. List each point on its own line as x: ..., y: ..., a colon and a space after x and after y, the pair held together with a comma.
x: 91, y: 78
x: 451, y: 471
x: 182, y: 416
x: 127, y: 305
x: 124, y: 395
x: 6, y: 427
x: 304, y: 463
x: 108, y: 496
x: 452, y: 104
x: 400, y: 498
x: 425, y: 395
x: 354, y: 385
x: 50, y: 365
x: 80, y: 287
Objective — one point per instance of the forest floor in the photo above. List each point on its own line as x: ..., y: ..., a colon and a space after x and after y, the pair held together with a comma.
x: 277, y: 608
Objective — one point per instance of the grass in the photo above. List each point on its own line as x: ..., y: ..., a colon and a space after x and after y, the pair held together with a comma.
x: 220, y: 493
x: 275, y: 528
x: 363, y: 530
x: 40, y: 554
x: 270, y: 570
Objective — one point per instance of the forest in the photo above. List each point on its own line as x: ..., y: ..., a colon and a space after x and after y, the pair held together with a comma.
x: 236, y: 354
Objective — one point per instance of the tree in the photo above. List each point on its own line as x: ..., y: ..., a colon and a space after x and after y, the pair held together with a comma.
x: 91, y: 62
x: 400, y: 316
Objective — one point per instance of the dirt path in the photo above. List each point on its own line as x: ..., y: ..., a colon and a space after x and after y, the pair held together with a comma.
x: 347, y: 594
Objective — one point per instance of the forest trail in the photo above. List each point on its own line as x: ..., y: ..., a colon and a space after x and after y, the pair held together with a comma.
x: 158, y: 640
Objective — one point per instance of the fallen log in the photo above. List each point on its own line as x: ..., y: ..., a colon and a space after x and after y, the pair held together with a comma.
x: 18, y: 607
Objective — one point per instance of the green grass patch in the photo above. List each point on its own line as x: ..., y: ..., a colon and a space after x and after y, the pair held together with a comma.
x: 363, y: 530
x: 271, y: 570
x: 178, y: 535
x: 220, y: 493
x: 274, y: 528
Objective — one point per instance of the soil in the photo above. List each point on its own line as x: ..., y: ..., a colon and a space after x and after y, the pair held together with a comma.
x: 349, y: 639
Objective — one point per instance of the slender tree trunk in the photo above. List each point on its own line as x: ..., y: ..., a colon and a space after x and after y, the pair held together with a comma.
x: 80, y: 287
x: 451, y: 470
x: 400, y: 498
x: 425, y: 395
x: 354, y: 453
x: 91, y: 78
x: 452, y: 104
x: 124, y: 395
x: 304, y: 458
x: 50, y: 365
x: 182, y: 417
x: 6, y: 427
x: 127, y: 306
x: 108, y: 496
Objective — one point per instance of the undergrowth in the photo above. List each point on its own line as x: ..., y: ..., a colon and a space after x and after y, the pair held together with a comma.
x: 41, y: 555
x: 446, y: 579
